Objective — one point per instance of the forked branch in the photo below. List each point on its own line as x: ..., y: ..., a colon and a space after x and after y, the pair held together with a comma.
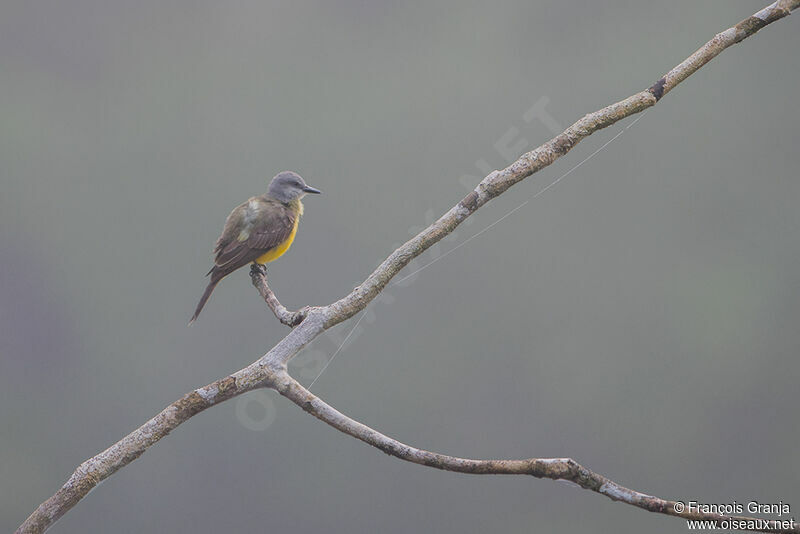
x: 270, y: 370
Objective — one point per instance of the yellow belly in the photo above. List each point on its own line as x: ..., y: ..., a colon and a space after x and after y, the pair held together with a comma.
x: 278, y: 251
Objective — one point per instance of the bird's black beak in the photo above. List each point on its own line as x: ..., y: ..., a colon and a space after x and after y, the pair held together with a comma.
x: 309, y: 189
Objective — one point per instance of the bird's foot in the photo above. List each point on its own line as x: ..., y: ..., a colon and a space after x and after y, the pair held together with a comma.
x: 258, y: 268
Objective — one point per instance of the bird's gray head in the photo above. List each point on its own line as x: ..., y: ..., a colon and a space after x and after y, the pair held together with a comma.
x: 288, y: 185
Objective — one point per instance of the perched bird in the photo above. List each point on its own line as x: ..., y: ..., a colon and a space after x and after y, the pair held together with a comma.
x: 259, y: 230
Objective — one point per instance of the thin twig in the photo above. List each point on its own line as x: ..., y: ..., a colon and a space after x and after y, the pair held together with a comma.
x: 270, y: 369
x: 258, y: 276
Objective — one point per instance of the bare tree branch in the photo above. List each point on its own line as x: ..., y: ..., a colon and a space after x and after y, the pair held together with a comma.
x: 258, y: 275
x: 270, y: 370
x: 553, y: 468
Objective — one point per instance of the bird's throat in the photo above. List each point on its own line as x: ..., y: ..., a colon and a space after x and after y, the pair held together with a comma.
x: 296, y: 206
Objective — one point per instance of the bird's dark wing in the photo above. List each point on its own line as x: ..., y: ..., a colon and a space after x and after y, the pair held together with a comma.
x: 248, y: 236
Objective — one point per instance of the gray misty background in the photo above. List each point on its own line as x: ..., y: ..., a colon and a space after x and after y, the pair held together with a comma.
x: 641, y: 316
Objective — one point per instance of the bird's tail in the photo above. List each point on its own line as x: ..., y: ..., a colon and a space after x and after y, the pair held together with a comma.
x: 206, y: 294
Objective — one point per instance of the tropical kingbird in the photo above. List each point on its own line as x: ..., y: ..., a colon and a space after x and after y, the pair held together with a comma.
x: 259, y: 230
